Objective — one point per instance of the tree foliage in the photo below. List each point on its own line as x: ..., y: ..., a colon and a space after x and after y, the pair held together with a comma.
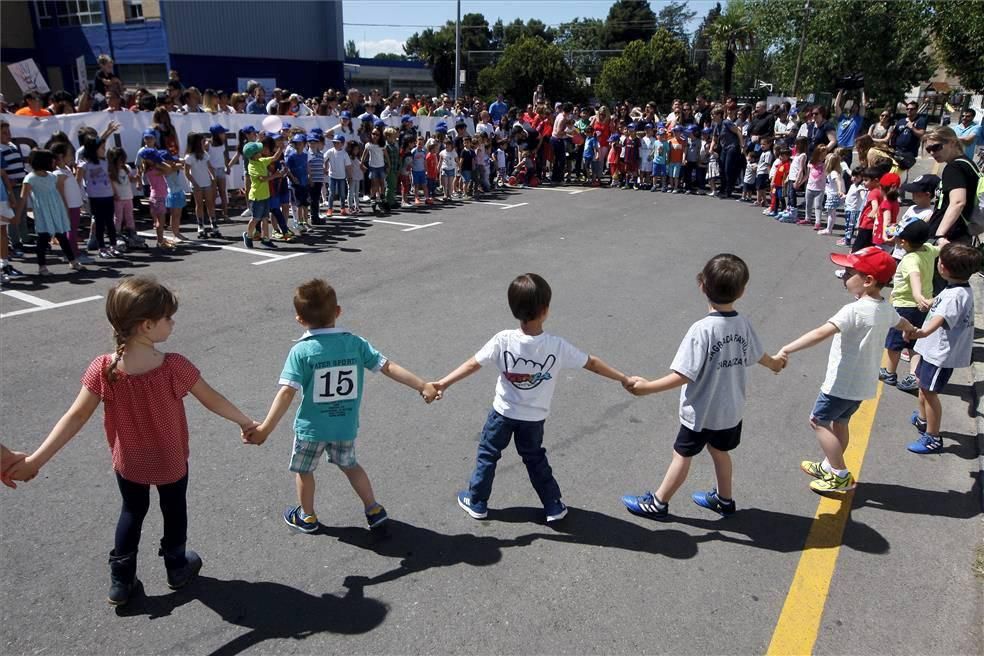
x: 658, y: 69
x: 629, y: 20
x: 506, y: 34
x: 390, y: 56
x: 351, y: 50
x: 732, y: 34
x: 958, y: 39
x: 673, y: 18
x: 529, y: 62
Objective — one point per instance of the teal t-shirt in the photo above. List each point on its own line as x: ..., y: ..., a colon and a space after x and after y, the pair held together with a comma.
x: 327, y: 365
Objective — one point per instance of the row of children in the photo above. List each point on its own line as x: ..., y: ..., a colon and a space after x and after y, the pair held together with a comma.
x: 142, y: 389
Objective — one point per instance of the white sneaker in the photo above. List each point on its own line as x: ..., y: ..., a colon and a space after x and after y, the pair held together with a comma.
x: 248, y: 213
x: 823, y: 232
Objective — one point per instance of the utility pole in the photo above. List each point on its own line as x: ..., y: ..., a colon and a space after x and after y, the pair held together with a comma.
x: 457, y: 53
x: 799, y: 55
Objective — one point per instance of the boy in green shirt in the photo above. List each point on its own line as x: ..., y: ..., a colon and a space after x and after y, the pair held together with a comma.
x: 258, y: 170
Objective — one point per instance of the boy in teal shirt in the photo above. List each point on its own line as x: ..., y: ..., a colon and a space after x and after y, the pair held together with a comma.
x: 327, y: 365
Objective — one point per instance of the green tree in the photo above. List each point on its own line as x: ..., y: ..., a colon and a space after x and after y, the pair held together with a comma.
x: 657, y: 70
x: 707, y: 68
x: 731, y: 33
x: 506, y: 34
x: 436, y: 47
x: 390, y: 56
x: 885, y: 40
x: 674, y: 17
x: 629, y: 20
x: 581, y: 34
x: 958, y: 39
x: 527, y: 63
x: 351, y: 51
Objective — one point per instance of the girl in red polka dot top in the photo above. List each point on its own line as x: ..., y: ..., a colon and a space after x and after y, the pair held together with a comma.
x: 142, y: 391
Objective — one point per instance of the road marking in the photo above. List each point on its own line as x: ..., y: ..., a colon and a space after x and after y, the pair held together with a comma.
x: 271, y: 257
x: 799, y: 622
x: 565, y: 190
x: 410, y: 227
x: 40, y: 304
x: 504, y: 206
x: 421, y: 227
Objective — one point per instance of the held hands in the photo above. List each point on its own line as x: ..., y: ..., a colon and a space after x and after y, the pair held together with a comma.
x: 432, y: 392
x: 254, y: 433
x: 777, y: 362
x: 632, y: 385
x: 23, y: 470
x: 10, y: 459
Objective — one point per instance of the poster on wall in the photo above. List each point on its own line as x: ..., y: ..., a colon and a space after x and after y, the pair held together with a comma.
x: 28, y: 77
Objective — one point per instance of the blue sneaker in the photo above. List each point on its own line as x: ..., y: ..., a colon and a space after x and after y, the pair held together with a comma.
x: 247, y: 242
x: 926, y: 444
x: 477, y: 509
x: 556, y: 510
x: 376, y: 516
x: 645, y: 506
x: 309, y: 524
x: 918, y: 422
x: 712, y: 501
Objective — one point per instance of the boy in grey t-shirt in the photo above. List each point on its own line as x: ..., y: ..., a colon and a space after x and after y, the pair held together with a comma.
x: 710, y: 365
x: 945, y: 342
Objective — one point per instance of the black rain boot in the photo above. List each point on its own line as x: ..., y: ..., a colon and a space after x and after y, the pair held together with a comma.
x: 122, y: 577
x: 182, y: 566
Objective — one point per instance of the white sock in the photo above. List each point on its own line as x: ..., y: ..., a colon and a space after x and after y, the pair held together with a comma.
x: 825, y: 465
x: 840, y: 473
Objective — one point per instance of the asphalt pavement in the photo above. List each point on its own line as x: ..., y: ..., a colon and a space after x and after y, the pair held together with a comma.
x: 428, y: 289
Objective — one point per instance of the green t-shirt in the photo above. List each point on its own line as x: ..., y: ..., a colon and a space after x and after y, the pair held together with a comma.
x: 259, y: 189
x: 327, y: 365
x: 923, y: 261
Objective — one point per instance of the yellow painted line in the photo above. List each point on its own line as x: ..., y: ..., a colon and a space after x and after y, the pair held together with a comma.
x: 799, y: 622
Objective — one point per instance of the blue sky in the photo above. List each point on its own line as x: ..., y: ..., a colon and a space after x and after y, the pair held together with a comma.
x: 383, y: 25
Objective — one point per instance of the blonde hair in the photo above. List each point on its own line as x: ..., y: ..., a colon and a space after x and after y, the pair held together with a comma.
x: 390, y: 132
x: 130, y: 303
x: 943, y: 134
x: 832, y: 163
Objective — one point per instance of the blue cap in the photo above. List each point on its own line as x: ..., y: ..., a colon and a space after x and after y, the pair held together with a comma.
x: 149, y: 154
x: 379, y: 123
x: 167, y: 155
x: 613, y: 138
x: 649, y: 126
x: 274, y: 135
x: 316, y: 136
x: 366, y: 116
x: 217, y: 129
x: 150, y: 132
x: 707, y: 130
x: 345, y: 114
x: 248, y: 129
x: 440, y: 126
x: 340, y: 138
x: 631, y: 126
x: 285, y: 125
x: 317, y: 131
x: 406, y: 118
x: 691, y: 128
x: 661, y: 124
x: 298, y: 138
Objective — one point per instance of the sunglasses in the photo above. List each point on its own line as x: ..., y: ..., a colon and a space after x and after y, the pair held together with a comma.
x: 934, y: 148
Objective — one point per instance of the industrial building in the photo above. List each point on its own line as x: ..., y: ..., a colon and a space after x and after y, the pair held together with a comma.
x: 211, y: 43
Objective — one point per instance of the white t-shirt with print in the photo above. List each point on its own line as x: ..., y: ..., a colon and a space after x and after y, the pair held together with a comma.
x: 856, y: 351
x: 714, y: 355
x: 199, y: 169
x: 951, y: 345
x: 335, y: 161
x: 528, y: 367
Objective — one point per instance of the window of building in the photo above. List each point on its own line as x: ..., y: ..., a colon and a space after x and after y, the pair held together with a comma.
x: 142, y: 75
x: 68, y: 13
x: 134, y: 10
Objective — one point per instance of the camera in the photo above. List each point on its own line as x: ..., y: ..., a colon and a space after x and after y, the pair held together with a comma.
x: 850, y: 81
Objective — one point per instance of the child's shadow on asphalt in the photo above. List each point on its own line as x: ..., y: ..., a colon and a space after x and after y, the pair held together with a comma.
x: 272, y: 611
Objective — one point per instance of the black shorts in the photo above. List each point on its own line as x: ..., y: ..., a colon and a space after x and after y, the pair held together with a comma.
x: 690, y: 442
x: 762, y: 181
x: 300, y: 195
x: 894, y: 341
x: 862, y: 239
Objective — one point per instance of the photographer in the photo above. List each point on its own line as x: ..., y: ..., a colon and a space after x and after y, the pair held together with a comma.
x: 849, y: 123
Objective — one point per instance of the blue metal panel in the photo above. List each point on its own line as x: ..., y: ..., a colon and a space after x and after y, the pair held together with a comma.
x: 139, y: 43
x: 308, y: 78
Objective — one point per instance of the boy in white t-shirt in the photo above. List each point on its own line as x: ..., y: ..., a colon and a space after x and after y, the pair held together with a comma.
x: 710, y: 365
x: 945, y: 341
x: 859, y: 331
x: 528, y: 360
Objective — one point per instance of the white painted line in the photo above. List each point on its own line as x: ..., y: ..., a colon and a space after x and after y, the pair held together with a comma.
x: 421, y: 227
x: 40, y: 308
x: 27, y: 298
x: 566, y: 190
x: 278, y: 258
x: 505, y: 206
x: 396, y: 223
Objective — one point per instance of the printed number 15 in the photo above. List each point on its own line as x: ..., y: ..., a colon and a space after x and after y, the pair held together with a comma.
x: 344, y: 383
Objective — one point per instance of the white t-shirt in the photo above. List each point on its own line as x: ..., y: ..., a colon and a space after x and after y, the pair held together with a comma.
x: 73, y: 192
x: 121, y: 185
x: 528, y: 368
x: 852, y: 203
x: 216, y: 157
x: 796, y: 167
x: 335, y: 161
x: 449, y: 160
x: 856, y: 351
x: 714, y: 355
x: 199, y: 170
x: 951, y: 345
x: 376, y: 160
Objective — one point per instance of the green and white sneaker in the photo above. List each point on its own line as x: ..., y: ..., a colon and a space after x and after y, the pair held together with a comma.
x: 832, y: 483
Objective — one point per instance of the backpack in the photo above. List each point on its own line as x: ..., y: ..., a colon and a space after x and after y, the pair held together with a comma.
x: 975, y: 224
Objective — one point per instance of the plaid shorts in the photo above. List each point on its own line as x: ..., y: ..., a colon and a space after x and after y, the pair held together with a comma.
x: 306, y: 453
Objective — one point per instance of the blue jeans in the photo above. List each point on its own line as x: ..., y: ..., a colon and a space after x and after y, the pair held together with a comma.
x: 496, y: 434
x: 336, y: 189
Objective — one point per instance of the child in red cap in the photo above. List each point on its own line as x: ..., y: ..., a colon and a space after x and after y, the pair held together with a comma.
x: 859, y: 330
x: 888, y: 211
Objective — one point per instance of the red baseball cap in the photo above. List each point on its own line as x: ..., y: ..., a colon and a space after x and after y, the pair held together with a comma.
x: 871, y: 261
x: 890, y: 180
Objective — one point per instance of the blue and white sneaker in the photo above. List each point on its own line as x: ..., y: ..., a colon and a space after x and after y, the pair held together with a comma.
x: 712, y: 501
x: 477, y: 509
x: 555, y: 510
x: 293, y: 518
x: 376, y: 516
x: 926, y: 445
x: 247, y: 241
x: 645, y: 506
x: 918, y: 422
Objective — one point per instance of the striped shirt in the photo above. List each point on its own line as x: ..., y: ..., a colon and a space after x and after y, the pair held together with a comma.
x: 316, y: 165
x: 12, y: 162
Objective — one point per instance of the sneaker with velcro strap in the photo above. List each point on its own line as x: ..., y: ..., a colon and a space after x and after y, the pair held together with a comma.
x: 294, y: 518
x: 813, y: 468
x: 645, y: 505
x: 889, y: 378
x: 908, y: 384
x: 832, y: 483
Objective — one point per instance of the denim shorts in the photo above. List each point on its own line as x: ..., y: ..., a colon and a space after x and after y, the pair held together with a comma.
x: 175, y: 200
x: 306, y: 454
x: 673, y: 170
x: 377, y: 172
x: 932, y: 378
x: 448, y: 173
x: 833, y: 409
x: 466, y: 176
x: 894, y: 341
x: 259, y: 208
x: 420, y: 177
x: 659, y: 170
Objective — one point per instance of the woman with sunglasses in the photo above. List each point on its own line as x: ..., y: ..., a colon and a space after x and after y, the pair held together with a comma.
x: 958, y: 188
x: 880, y: 131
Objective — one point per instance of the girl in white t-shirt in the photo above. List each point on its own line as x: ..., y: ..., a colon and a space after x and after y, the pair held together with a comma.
x: 218, y: 158
x: 449, y: 168
x: 199, y: 172
x: 73, y: 197
x: 833, y: 190
x: 122, y: 178
x: 853, y: 202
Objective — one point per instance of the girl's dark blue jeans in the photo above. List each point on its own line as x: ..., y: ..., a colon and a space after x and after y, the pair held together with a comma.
x: 496, y: 434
